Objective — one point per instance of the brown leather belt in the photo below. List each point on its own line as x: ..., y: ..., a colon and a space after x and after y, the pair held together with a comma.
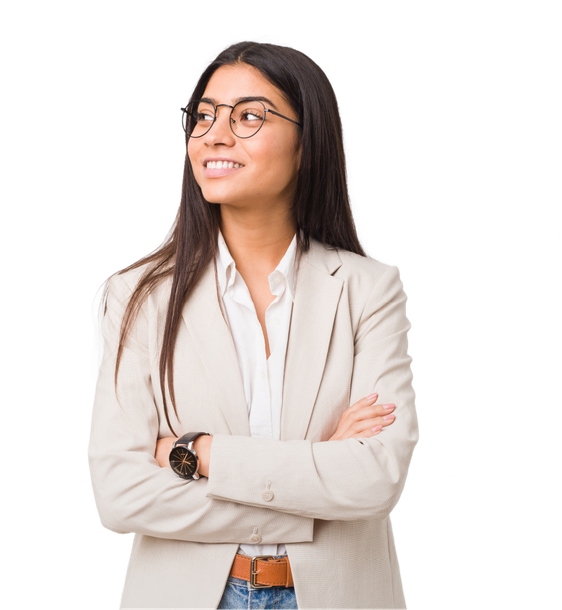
x: 263, y: 570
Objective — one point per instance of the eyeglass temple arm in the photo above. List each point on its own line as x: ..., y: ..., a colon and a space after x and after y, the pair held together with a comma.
x: 283, y: 117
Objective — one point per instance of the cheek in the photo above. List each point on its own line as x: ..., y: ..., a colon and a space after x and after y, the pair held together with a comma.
x: 279, y: 162
x: 190, y: 146
x: 196, y: 169
x: 192, y: 155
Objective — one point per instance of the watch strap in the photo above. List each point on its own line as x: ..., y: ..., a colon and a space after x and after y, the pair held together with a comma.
x: 188, y: 437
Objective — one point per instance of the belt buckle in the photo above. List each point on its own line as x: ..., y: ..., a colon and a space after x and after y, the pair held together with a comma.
x: 254, y: 572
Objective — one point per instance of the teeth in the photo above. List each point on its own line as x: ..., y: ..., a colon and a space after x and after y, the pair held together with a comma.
x: 222, y: 164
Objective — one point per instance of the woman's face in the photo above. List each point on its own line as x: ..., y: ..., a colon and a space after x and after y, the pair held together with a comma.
x: 268, y: 161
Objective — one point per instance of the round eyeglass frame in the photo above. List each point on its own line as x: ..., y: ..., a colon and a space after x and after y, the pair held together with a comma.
x: 230, y: 121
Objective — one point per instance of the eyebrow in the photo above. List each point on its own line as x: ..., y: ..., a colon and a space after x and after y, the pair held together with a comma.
x: 249, y: 98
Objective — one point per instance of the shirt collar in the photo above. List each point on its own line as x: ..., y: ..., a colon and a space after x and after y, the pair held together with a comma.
x: 226, y: 267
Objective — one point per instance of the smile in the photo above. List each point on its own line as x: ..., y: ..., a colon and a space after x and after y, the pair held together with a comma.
x: 217, y: 168
x: 222, y: 164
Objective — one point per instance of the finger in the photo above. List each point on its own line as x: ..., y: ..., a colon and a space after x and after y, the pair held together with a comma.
x: 369, y: 430
x: 379, y: 424
x: 383, y: 420
x: 371, y: 427
x: 363, y: 402
x: 387, y: 408
x: 368, y: 433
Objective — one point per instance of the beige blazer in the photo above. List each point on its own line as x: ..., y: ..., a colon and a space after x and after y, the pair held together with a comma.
x: 331, y: 500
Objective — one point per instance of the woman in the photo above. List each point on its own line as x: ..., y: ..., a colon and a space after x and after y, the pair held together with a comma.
x: 282, y: 349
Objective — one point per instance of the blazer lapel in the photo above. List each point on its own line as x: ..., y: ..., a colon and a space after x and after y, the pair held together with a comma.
x: 316, y: 300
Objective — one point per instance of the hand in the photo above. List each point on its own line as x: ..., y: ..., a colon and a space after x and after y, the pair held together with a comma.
x: 358, y: 420
x: 163, y: 448
x: 202, y: 446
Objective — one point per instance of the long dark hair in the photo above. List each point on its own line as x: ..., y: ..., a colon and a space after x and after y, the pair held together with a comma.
x: 320, y: 206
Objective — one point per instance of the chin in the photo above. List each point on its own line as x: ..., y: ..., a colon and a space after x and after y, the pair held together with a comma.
x: 226, y: 194
x: 216, y: 196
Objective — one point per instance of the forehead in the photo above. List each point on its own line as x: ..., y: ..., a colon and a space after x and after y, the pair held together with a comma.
x: 234, y: 82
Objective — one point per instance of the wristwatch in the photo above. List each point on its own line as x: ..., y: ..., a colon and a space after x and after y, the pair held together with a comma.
x: 183, y: 458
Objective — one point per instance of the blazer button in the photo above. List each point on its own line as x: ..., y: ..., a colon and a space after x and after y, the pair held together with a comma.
x: 267, y: 495
x: 255, y: 539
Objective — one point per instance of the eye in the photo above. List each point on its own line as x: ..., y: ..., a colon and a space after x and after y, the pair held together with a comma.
x: 250, y: 115
x: 203, y: 116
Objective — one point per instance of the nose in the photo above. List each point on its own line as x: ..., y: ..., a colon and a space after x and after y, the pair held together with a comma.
x: 220, y: 132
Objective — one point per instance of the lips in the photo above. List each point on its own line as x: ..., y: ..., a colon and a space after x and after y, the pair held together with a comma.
x: 219, y: 167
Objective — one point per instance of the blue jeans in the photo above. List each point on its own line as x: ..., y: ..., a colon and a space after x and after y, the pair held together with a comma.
x: 239, y: 593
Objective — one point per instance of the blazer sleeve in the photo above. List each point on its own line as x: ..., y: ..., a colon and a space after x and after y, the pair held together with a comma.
x: 132, y: 492
x: 355, y: 478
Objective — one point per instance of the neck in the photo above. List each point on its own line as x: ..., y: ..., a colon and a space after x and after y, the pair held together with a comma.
x: 258, y: 250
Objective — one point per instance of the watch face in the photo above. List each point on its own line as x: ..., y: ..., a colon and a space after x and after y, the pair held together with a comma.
x: 183, y: 462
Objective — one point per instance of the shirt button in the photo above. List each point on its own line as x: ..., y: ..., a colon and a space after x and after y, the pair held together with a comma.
x: 267, y: 495
x: 255, y: 539
x: 276, y: 320
x: 263, y: 374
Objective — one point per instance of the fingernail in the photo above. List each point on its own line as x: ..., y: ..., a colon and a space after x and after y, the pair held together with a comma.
x: 376, y: 428
x: 371, y: 396
x: 389, y: 406
x: 388, y: 417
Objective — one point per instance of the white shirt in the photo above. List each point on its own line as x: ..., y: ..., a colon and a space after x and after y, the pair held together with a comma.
x: 263, y: 378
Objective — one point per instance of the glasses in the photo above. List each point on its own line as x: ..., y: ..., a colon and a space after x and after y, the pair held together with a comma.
x: 246, y: 117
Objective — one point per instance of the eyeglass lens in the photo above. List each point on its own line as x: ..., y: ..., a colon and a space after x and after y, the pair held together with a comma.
x: 245, y: 121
